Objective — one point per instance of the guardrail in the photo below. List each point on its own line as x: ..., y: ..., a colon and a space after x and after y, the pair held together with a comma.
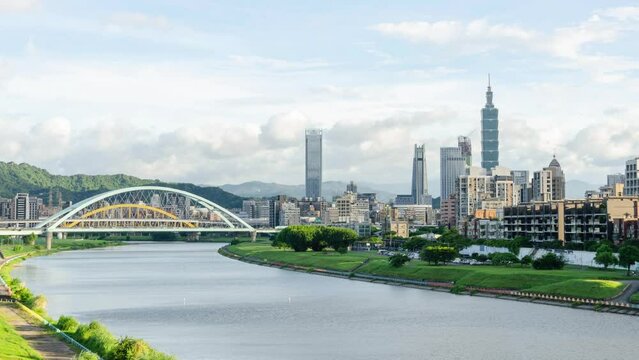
x: 42, y: 320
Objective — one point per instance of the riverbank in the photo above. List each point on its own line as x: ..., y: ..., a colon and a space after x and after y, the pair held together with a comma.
x: 573, y: 287
x: 78, y: 337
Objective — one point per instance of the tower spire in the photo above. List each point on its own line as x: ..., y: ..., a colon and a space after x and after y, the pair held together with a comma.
x: 489, y: 94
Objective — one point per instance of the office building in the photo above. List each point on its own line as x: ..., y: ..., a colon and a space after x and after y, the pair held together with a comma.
x: 464, y: 145
x: 351, y: 187
x: 313, y: 163
x: 489, y: 132
x: 542, y: 185
x: 419, y: 188
x: 452, y: 165
x: 289, y: 214
x: 558, y: 180
x: 615, y: 179
x: 20, y: 207
x: 632, y: 182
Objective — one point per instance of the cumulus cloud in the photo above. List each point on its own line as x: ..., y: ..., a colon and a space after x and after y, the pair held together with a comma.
x: 284, y: 130
x: 567, y: 45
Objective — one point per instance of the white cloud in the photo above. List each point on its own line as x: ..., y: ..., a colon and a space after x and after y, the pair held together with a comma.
x: 447, y: 32
x: 277, y: 64
x: 284, y: 130
x: 568, y: 45
x: 18, y: 5
x: 120, y: 21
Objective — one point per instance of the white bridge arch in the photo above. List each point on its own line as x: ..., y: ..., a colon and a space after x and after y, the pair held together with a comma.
x: 143, y: 209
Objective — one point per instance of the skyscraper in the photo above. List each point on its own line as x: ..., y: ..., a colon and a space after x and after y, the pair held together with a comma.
x: 558, y: 180
x: 463, y: 142
x: 419, y: 188
x: 452, y: 165
x: 313, y: 163
x: 489, y: 132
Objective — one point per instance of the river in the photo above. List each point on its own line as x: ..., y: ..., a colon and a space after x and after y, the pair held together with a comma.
x: 187, y: 300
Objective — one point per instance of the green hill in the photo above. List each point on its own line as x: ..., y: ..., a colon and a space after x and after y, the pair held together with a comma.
x: 16, y: 178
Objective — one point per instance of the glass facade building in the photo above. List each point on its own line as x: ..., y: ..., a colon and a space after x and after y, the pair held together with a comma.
x: 419, y: 188
x: 313, y: 163
x: 489, y: 132
x: 452, y: 165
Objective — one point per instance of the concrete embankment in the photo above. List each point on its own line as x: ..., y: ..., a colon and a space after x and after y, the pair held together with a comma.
x: 504, y: 294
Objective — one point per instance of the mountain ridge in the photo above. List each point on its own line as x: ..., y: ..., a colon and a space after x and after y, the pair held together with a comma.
x: 23, y: 177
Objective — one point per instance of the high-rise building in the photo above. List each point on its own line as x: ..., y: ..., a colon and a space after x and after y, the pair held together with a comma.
x: 489, y: 132
x: 351, y: 187
x: 463, y: 142
x: 521, y: 186
x: 452, y: 165
x: 313, y: 163
x: 614, y: 179
x: 419, y: 189
x: 542, y: 185
x: 20, y: 209
x: 558, y: 180
x: 632, y: 182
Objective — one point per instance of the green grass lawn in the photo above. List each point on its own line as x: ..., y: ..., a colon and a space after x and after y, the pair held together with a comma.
x: 324, y: 260
x: 635, y: 298
x: 571, y: 281
x: 58, y: 244
x: 13, y: 346
x: 596, y: 289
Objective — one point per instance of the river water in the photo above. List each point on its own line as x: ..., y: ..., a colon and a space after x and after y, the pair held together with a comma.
x: 187, y: 300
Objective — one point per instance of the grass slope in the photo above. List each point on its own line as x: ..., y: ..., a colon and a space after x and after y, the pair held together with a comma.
x: 571, y: 281
x: 13, y: 346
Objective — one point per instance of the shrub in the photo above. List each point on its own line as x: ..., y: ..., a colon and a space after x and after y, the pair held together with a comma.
x: 457, y: 289
x: 526, y: 260
x: 235, y: 241
x: 17, y: 248
x: 550, y: 261
x: 398, y: 260
x: 96, y: 337
x: 87, y: 356
x: 67, y: 324
x: 501, y: 259
x: 39, y: 303
x: 129, y: 348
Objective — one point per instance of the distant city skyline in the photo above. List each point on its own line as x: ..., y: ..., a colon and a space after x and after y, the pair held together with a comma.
x: 216, y: 93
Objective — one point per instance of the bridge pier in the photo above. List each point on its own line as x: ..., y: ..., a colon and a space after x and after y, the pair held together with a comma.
x: 253, y: 236
x: 49, y: 235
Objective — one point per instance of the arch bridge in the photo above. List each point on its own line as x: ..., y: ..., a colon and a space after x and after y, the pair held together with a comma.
x: 142, y: 209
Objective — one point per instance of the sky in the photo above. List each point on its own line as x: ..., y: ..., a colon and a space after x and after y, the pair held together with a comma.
x: 216, y: 92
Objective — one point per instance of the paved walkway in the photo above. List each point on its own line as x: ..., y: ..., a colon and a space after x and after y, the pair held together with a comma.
x: 49, y: 346
x: 625, y: 296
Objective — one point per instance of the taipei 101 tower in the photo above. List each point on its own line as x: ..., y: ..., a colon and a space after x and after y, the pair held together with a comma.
x: 489, y: 132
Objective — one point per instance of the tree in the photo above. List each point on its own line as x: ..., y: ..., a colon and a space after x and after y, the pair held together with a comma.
x: 628, y: 256
x: 339, y: 238
x: 437, y: 254
x: 526, y: 260
x: 415, y: 243
x: 605, y: 256
x: 30, y: 239
x: 550, y: 261
x: 398, y: 260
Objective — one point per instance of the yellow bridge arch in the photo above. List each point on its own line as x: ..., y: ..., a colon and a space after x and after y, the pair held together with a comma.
x: 128, y: 206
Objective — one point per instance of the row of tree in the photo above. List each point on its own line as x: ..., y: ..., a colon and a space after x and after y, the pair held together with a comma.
x: 317, y: 238
x: 628, y: 256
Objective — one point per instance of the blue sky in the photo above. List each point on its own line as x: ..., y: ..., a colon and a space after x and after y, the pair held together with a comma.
x: 220, y: 92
